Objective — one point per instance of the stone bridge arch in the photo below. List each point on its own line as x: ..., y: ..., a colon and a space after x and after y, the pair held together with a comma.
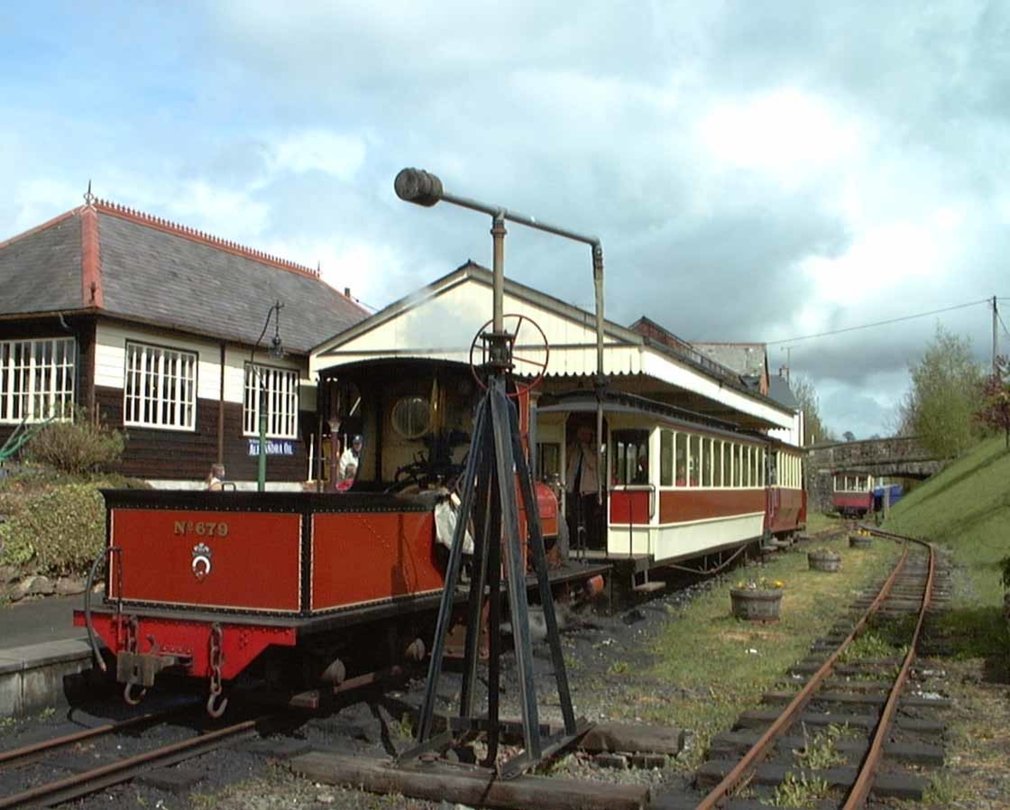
x: 897, y: 456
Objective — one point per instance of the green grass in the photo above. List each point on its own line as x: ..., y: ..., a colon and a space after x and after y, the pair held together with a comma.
x: 819, y: 522
x: 966, y: 509
x: 720, y: 665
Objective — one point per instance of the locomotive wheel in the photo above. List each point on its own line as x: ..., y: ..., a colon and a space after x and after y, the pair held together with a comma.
x: 523, y: 332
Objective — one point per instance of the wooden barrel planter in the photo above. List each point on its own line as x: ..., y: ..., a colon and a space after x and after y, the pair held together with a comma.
x: 824, y: 561
x: 756, y: 604
x: 860, y: 541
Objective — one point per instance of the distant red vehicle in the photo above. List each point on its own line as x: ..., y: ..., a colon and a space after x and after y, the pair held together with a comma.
x: 852, y: 494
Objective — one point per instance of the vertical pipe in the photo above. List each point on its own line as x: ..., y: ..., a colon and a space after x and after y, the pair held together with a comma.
x: 220, y: 411
x: 498, y: 235
x: 995, y: 334
x: 261, y: 467
x: 600, y: 380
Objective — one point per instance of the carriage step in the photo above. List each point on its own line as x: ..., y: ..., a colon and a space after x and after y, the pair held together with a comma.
x: 649, y: 587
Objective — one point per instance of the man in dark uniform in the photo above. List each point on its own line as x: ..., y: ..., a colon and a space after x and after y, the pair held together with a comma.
x: 581, y: 482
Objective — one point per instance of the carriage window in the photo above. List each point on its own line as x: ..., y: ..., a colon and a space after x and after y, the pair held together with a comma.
x: 761, y: 467
x: 694, y: 460
x: 680, y: 459
x: 631, y: 457
x: 549, y: 461
x: 737, y: 465
x: 411, y: 417
x: 716, y: 463
x: 706, y: 462
x: 666, y: 458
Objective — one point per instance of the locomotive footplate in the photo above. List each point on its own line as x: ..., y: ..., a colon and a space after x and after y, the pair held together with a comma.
x: 141, y: 668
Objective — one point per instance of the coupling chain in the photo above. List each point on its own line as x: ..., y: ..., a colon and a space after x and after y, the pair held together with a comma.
x: 216, y: 657
x: 132, y: 628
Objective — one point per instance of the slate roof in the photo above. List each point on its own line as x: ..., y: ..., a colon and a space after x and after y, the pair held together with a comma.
x: 146, y: 269
x: 37, y: 270
x: 782, y: 393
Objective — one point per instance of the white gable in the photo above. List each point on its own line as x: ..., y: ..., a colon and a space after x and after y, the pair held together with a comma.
x: 441, y: 322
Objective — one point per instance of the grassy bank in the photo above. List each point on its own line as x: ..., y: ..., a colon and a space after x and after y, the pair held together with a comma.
x: 966, y: 509
x: 717, y: 665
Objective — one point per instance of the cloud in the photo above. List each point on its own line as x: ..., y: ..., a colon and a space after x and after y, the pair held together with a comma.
x: 756, y: 171
x: 341, y: 156
x: 786, y: 134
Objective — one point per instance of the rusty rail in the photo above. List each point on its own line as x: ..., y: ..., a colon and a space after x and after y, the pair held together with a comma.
x: 78, y: 785
x: 45, y: 746
x: 868, y: 769
x: 766, y: 742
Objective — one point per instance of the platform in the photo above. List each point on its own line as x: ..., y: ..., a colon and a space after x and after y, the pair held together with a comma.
x: 39, y: 647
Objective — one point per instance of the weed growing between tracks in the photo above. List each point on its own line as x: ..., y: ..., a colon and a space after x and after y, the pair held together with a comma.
x: 717, y: 666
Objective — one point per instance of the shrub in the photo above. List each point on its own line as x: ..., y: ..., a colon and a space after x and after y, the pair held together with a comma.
x: 58, y: 531
x: 76, y: 447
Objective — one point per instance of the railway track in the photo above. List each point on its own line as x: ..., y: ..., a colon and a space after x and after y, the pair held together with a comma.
x: 853, y: 714
x: 83, y: 783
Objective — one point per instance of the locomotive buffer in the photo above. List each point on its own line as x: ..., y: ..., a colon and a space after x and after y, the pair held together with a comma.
x: 496, y: 463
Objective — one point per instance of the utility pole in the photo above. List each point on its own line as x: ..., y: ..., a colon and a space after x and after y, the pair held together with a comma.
x: 995, y: 334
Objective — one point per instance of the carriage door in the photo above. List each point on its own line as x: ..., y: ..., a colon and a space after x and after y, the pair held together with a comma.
x: 633, y: 497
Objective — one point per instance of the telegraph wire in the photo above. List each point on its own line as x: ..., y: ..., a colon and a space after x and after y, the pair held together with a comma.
x: 880, y: 323
x: 1000, y: 317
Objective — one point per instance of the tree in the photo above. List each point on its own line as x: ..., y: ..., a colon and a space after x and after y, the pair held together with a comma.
x: 994, y: 412
x: 814, y: 430
x: 945, y: 394
x: 849, y: 436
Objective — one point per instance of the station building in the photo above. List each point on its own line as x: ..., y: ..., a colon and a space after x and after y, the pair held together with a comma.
x: 154, y: 326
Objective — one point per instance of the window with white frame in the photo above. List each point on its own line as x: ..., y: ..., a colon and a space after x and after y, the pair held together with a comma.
x: 37, y: 379
x: 160, y: 389
x: 273, y: 391
x: 666, y: 458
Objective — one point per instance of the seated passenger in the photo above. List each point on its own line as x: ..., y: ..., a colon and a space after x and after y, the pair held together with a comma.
x: 642, y: 470
x: 350, y: 458
x: 215, y: 478
x: 348, y: 481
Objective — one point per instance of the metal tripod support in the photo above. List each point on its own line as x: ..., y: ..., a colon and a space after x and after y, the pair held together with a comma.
x: 497, y: 474
x: 495, y: 466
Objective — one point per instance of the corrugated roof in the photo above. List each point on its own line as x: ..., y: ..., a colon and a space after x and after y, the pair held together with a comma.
x: 151, y: 270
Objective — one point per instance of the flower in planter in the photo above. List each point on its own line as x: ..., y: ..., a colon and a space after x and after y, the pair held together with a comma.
x: 760, y: 584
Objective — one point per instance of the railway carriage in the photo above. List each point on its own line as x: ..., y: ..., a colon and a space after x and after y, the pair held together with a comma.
x: 852, y: 494
x: 681, y: 485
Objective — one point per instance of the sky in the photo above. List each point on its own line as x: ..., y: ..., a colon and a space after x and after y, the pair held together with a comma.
x: 756, y: 172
